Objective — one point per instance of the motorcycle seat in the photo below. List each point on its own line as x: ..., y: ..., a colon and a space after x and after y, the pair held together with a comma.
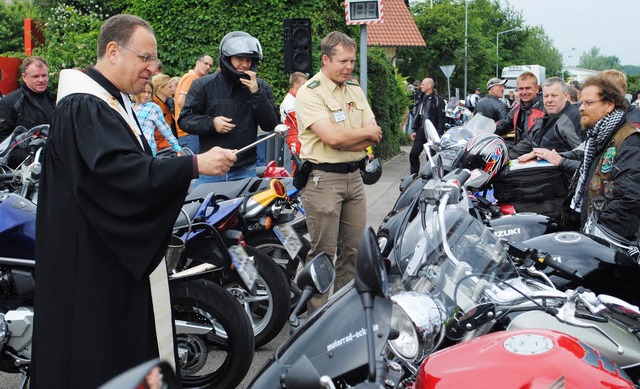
x: 228, y: 189
x: 190, y: 209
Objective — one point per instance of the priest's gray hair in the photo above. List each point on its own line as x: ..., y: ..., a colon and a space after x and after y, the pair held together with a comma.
x: 119, y: 28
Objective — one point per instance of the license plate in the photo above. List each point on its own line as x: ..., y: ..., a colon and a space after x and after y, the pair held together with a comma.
x: 244, y: 265
x: 289, y: 239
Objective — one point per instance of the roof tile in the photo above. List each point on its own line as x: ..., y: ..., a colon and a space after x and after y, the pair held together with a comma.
x: 397, y: 29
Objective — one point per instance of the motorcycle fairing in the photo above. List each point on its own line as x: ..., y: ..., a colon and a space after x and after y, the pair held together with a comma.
x: 17, y: 227
x: 333, y: 339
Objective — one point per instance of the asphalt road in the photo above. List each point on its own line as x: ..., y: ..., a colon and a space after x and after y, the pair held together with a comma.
x: 380, y: 198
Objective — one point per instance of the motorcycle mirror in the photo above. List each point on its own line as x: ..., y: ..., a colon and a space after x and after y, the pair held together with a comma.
x: 319, y: 274
x: 315, y: 278
x: 371, y: 275
x: 152, y: 374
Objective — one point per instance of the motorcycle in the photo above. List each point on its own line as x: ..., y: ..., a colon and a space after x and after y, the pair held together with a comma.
x: 205, y: 237
x: 341, y: 342
x: 201, y: 310
x: 271, y: 219
x: 27, y: 147
x: 477, y: 287
x: 443, y: 155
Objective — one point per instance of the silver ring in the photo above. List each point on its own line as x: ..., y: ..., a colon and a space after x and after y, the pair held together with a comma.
x: 545, y: 154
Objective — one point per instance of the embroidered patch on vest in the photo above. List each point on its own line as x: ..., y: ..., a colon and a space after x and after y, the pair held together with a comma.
x: 595, y: 184
x: 313, y: 84
x: 607, y: 188
x: 608, y: 158
x: 599, y: 203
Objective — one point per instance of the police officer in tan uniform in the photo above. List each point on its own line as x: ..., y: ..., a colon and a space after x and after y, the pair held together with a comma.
x: 335, y: 125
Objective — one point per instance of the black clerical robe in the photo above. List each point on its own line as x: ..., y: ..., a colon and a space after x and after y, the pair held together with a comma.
x: 105, y: 212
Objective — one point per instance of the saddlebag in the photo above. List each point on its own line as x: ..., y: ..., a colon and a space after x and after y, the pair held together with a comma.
x: 529, y: 182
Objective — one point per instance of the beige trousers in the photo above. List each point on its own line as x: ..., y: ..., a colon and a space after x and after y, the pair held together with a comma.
x: 335, y: 206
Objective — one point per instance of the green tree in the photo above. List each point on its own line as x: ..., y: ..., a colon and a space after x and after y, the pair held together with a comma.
x: 443, y: 28
x: 593, y: 60
x: 70, y: 38
x: 12, y: 15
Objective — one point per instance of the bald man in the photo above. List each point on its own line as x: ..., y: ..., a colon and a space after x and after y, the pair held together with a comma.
x: 430, y: 107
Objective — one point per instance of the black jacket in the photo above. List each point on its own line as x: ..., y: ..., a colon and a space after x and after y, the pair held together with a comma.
x: 215, y: 95
x: 435, y: 111
x: 22, y: 107
x: 622, y: 214
x: 560, y: 132
x: 489, y: 106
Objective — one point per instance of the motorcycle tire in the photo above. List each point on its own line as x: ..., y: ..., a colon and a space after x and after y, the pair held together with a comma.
x: 227, y: 362
x: 268, y: 243
x: 268, y: 311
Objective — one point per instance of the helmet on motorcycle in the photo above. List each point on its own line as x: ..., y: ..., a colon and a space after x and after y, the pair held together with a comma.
x: 487, y: 152
x: 456, y: 138
x: 238, y: 44
x: 371, y: 171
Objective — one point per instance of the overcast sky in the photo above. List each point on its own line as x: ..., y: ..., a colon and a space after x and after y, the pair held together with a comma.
x: 613, y: 26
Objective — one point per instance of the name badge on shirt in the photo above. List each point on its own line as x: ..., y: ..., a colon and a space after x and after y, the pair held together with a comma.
x: 339, y: 116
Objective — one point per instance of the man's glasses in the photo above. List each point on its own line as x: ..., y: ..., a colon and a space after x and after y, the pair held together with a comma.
x: 589, y: 103
x: 144, y: 58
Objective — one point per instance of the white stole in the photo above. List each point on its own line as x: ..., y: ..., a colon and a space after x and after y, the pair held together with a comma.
x: 75, y: 81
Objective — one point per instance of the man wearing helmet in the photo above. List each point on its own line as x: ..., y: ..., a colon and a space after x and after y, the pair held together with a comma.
x: 225, y: 108
x: 335, y: 125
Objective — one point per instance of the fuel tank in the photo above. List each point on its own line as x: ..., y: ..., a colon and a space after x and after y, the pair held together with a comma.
x: 605, y: 270
x: 532, y: 358
x: 523, y: 226
x: 17, y: 227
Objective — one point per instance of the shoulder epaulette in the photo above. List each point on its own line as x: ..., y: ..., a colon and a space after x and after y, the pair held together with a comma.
x: 352, y: 82
x: 313, y: 84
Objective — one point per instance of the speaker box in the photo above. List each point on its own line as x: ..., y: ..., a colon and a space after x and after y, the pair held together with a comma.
x: 297, y: 46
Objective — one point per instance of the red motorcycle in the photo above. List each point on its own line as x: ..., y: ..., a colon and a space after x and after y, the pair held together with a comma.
x: 530, y: 358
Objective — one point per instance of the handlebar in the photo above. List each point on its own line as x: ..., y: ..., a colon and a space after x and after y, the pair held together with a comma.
x: 541, y: 260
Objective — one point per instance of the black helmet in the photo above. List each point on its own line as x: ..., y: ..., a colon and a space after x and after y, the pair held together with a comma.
x: 371, y: 171
x: 488, y: 152
x: 239, y: 44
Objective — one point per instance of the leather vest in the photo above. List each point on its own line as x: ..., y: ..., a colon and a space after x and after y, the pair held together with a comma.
x: 602, y: 182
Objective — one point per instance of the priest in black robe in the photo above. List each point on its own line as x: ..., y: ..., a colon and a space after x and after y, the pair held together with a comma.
x: 105, y: 212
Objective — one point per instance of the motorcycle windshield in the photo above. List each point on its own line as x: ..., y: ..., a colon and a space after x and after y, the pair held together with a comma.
x: 457, y: 277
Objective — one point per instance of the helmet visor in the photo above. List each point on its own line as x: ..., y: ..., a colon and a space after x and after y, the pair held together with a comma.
x: 242, y: 46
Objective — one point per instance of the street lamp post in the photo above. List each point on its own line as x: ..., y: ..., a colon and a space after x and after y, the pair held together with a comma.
x: 466, y: 32
x: 498, y: 46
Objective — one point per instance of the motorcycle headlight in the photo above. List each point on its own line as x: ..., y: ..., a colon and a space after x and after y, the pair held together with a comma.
x: 419, y: 320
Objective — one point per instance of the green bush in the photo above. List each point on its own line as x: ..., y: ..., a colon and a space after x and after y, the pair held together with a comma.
x: 185, y: 29
x: 388, y: 100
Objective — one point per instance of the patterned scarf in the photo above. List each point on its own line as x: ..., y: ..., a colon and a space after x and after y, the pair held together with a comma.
x: 596, y: 138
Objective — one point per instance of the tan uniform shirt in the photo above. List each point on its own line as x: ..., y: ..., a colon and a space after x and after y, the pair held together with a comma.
x: 346, y: 106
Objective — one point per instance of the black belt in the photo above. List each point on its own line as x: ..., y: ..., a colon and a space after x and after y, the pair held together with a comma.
x: 345, y: 167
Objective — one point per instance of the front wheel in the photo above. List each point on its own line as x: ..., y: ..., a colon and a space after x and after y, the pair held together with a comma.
x: 223, y: 362
x: 268, y: 310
